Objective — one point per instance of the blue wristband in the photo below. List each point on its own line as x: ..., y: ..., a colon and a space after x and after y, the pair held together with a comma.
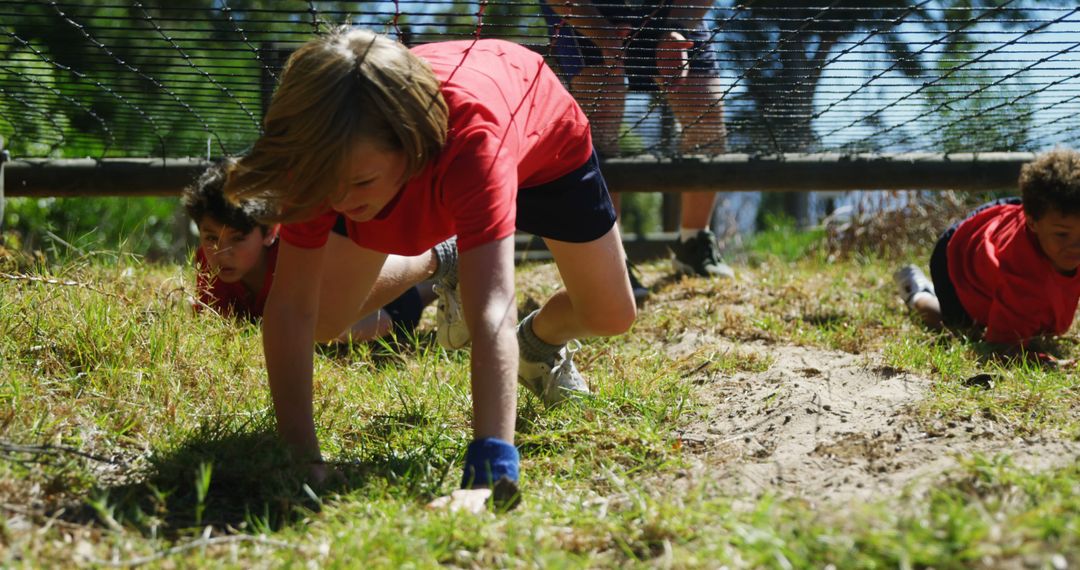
x: 488, y: 460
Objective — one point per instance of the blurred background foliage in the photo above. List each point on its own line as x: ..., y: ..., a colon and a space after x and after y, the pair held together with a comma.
x: 62, y: 228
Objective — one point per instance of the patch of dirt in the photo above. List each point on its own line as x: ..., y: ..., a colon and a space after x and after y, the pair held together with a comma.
x: 830, y: 426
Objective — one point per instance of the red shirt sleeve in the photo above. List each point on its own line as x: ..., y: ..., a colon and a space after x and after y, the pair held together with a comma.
x: 480, y: 187
x: 311, y: 234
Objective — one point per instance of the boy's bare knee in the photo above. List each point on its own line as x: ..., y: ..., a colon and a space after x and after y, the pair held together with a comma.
x: 612, y: 321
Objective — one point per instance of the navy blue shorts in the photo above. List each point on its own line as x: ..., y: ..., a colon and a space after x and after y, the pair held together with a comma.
x: 953, y: 314
x: 573, y: 51
x: 575, y: 207
x: 405, y: 311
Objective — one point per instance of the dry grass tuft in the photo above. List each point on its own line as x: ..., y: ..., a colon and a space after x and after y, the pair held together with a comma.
x: 891, y: 224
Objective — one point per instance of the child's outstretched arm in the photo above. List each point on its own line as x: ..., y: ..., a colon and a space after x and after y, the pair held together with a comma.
x: 288, y: 342
x: 486, y: 274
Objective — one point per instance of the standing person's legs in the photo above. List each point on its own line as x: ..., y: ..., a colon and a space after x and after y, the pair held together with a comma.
x: 695, y: 100
x: 597, y: 80
x: 601, y: 92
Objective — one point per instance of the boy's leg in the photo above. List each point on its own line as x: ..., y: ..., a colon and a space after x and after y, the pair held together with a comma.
x: 929, y: 309
x: 343, y: 302
x: 602, y: 95
x: 400, y: 316
x: 376, y: 325
x: 950, y: 309
x: 919, y: 294
x: 348, y: 279
x: 597, y: 300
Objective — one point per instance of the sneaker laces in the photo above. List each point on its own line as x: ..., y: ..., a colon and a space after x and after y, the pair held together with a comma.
x: 712, y: 248
x: 566, y: 365
x: 705, y: 244
x: 448, y: 301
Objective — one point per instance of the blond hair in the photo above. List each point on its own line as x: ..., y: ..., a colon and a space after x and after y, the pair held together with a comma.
x: 348, y: 86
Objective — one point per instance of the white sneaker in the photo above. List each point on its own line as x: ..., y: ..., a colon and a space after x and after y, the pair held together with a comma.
x: 450, y: 329
x: 554, y: 382
x: 911, y: 281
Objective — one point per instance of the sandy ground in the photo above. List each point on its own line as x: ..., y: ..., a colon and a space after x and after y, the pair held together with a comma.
x: 830, y: 426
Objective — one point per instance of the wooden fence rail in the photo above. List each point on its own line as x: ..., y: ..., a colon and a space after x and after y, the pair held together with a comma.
x: 726, y: 173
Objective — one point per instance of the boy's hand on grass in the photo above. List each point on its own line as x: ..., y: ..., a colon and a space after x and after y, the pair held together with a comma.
x: 502, y: 496
x: 472, y: 501
x: 1043, y: 359
x: 1054, y: 363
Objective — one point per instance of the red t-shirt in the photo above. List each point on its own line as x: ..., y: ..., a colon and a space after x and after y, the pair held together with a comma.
x: 232, y: 298
x: 1005, y: 281
x: 511, y: 125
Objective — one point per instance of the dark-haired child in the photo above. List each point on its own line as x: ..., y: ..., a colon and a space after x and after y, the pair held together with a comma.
x: 1011, y: 265
x: 237, y: 255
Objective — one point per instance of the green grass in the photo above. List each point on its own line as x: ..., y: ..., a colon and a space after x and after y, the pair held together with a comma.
x: 130, y: 426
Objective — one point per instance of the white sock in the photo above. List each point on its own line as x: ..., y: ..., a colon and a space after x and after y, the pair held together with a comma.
x: 688, y: 233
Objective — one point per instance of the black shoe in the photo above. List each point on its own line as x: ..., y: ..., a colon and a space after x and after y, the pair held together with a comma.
x: 641, y: 292
x: 700, y: 255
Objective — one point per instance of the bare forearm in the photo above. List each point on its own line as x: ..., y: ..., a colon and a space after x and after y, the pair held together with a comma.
x: 494, y: 381
x: 289, y: 354
x: 487, y: 295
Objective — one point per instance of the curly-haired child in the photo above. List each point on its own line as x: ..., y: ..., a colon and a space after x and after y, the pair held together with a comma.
x: 1011, y: 265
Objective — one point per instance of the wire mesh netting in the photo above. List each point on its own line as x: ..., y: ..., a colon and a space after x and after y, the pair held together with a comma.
x: 191, y: 78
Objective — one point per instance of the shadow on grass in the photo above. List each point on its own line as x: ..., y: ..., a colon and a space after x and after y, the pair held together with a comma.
x: 240, y: 478
x: 666, y: 281
x: 1041, y: 352
x: 826, y: 319
x: 230, y: 478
